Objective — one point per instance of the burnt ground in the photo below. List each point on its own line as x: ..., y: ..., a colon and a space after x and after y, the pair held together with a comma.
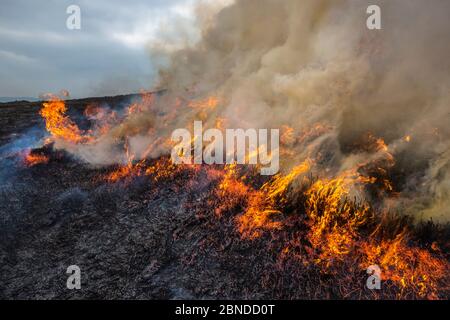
x: 133, y: 239
x: 130, y: 240
x: 140, y: 239
x: 143, y: 238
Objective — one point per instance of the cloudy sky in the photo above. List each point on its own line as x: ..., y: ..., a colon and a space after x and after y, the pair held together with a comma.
x: 109, y: 55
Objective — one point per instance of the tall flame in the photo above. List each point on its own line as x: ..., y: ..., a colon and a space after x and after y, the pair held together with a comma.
x: 59, y: 124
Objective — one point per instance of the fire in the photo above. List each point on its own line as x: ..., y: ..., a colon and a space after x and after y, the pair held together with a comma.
x: 204, y: 107
x: 208, y: 103
x: 277, y: 187
x: 163, y: 169
x: 287, y: 135
x: 410, y: 267
x: 231, y: 190
x: 338, y: 217
x: 59, y: 124
x: 32, y: 159
x: 103, y: 119
x: 256, y: 220
x: 315, y: 131
x: 340, y: 223
x: 260, y: 205
x: 336, y: 224
x: 129, y: 170
x: 234, y: 192
x: 160, y: 170
x: 334, y: 220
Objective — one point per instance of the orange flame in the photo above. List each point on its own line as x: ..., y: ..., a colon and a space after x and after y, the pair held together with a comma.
x: 32, y: 159
x: 208, y: 103
x: 334, y: 221
x: 411, y: 267
x: 57, y: 122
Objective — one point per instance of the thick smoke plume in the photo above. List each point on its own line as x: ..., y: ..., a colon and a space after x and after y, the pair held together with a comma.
x: 312, y: 65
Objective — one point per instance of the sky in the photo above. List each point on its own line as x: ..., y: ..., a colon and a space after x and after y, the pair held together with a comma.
x: 109, y: 55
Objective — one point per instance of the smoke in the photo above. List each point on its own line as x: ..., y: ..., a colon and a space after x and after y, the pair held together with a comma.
x: 305, y: 63
x: 8, y: 152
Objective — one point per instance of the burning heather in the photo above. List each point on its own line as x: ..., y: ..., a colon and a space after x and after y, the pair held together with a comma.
x: 364, y: 164
x: 32, y: 158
